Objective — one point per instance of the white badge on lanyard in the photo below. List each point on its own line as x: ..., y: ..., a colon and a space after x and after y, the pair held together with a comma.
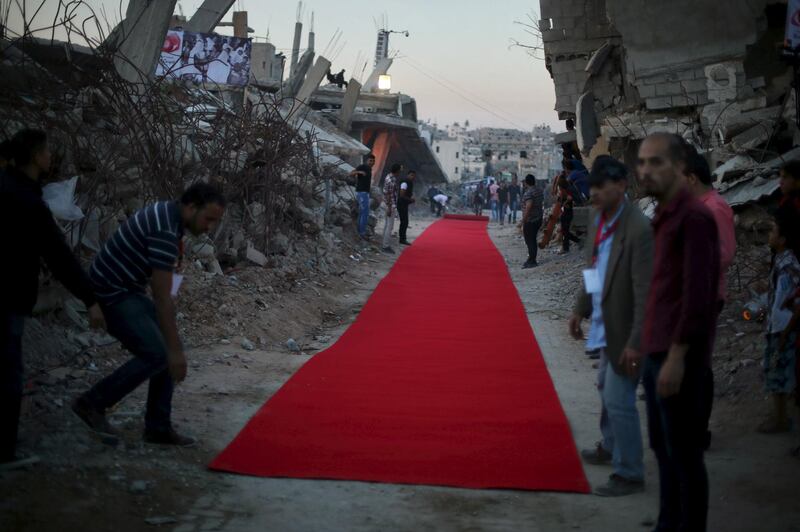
x: 177, y: 279
x: 591, y: 278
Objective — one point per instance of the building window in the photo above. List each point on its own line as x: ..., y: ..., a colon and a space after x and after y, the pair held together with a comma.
x: 456, y: 155
x: 456, y: 169
x: 437, y: 149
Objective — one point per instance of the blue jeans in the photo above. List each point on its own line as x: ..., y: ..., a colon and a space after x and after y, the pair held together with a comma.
x: 678, y: 427
x: 513, y: 208
x: 133, y: 321
x: 494, y: 205
x: 619, y: 421
x: 11, y: 382
x: 363, y: 212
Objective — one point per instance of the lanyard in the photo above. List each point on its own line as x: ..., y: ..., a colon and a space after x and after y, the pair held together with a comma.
x: 601, y: 237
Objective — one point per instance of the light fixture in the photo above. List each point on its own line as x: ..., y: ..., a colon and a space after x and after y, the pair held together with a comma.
x: 385, y: 82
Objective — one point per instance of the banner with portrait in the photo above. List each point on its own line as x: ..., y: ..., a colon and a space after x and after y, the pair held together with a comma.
x: 205, y: 58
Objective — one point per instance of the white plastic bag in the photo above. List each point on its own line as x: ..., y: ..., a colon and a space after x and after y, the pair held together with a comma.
x: 60, y: 197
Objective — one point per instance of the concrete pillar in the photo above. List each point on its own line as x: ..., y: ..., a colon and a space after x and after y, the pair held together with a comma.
x: 208, y: 16
x: 298, y: 32
x: 140, y: 38
x: 313, y: 79
x: 381, y: 149
x: 240, y: 24
x: 349, y: 104
x: 293, y: 84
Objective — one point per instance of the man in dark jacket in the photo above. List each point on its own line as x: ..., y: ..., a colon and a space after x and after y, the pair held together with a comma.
x: 33, y: 236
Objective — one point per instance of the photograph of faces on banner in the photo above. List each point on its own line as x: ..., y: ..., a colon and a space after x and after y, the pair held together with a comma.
x: 205, y: 58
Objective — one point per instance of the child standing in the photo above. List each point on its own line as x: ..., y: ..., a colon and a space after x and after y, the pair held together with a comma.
x: 779, y: 356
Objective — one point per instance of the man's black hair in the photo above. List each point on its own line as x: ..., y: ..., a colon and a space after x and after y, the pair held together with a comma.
x: 606, y: 168
x: 201, y: 194
x: 792, y: 169
x: 530, y: 180
x: 570, y: 123
x: 369, y: 156
x: 697, y: 166
x: 412, y: 172
x: 569, y: 164
x: 396, y: 168
x: 6, y: 150
x: 677, y: 147
x: 26, y: 144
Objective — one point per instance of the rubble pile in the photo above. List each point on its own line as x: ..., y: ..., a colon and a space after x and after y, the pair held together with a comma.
x: 121, y: 144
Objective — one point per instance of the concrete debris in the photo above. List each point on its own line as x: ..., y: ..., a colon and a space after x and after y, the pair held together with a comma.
x: 735, y: 167
x: 248, y: 345
x: 292, y: 345
x: 255, y: 256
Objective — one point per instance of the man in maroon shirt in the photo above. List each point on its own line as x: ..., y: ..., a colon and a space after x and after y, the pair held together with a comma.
x: 680, y: 317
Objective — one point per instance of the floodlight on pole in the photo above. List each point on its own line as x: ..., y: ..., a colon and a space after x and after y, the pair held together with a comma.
x: 384, y: 82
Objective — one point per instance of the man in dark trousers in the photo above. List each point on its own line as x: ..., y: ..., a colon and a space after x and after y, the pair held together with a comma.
x: 514, y: 193
x: 144, y: 251
x: 363, y: 175
x: 405, y: 198
x: 679, y: 321
x: 532, y: 217
x: 33, y: 236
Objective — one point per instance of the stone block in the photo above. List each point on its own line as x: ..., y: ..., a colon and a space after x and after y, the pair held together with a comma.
x: 695, y: 85
x: 687, y: 75
x: 646, y: 91
x: 669, y: 89
x: 682, y: 101
x: 661, y: 102
x: 555, y: 34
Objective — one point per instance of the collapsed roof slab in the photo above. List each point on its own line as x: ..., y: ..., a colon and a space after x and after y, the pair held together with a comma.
x: 208, y: 15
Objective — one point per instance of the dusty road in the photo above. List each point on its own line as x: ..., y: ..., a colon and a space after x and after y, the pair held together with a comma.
x: 754, y: 483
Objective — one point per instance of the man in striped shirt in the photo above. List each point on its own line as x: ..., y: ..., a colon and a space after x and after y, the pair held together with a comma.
x: 145, y: 250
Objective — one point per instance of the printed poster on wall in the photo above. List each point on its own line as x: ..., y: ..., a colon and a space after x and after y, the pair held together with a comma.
x: 792, y: 40
x: 205, y: 58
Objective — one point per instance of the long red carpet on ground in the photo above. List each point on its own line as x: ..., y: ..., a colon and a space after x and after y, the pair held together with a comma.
x: 439, y: 381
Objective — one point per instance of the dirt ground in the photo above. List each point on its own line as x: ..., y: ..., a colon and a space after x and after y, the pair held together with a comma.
x: 237, y: 334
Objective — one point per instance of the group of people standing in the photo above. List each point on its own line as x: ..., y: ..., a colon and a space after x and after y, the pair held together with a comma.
x: 653, y: 293
x: 501, y: 196
x: 398, y: 196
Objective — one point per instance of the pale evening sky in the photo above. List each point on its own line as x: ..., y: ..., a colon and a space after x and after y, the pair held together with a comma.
x: 462, y: 44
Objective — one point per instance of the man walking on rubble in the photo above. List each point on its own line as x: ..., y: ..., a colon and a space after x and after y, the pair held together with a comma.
x: 145, y: 251
x: 34, y: 236
x: 363, y: 175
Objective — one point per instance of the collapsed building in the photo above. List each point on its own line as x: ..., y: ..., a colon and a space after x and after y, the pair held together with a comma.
x: 710, y: 73
x: 280, y: 145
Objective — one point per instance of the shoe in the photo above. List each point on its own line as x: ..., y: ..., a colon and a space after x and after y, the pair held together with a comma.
x: 95, y: 419
x: 387, y: 249
x: 593, y: 354
x: 19, y: 461
x: 596, y: 456
x: 529, y: 265
x: 405, y: 242
x: 169, y: 437
x: 618, y: 486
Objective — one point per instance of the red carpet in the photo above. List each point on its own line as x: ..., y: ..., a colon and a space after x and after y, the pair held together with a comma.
x: 439, y: 381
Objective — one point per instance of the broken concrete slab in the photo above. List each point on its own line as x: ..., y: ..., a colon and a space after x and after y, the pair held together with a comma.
x: 754, y: 137
x: 735, y: 167
x: 255, y: 256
